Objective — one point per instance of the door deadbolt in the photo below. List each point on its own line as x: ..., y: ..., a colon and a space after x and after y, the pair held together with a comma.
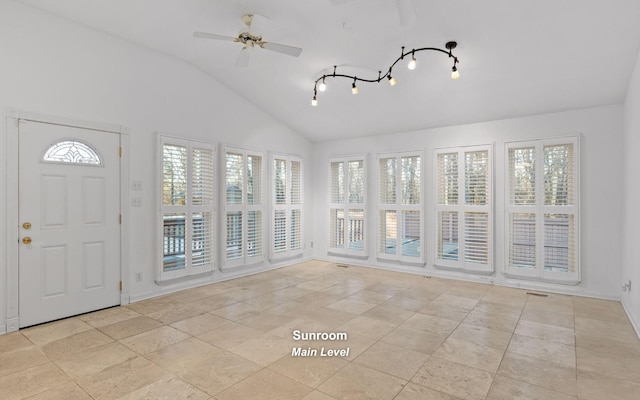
x: 26, y: 240
x: 26, y: 225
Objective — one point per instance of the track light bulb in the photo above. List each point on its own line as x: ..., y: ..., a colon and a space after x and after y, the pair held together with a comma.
x: 314, y: 101
x: 412, y: 63
x: 454, y: 73
x: 392, y: 80
x: 322, y: 86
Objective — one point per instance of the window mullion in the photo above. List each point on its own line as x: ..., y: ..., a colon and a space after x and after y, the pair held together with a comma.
x: 188, y: 234
x: 398, y: 207
x: 460, y: 208
x: 539, y: 193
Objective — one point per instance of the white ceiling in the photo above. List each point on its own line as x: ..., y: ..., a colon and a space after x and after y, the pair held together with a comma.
x: 516, y: 57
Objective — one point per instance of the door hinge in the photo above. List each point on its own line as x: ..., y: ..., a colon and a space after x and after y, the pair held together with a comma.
x: 121, y: 286
x: 120, y: 151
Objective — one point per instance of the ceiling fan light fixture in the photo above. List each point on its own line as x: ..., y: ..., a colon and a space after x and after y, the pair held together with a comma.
x: 250, y: 38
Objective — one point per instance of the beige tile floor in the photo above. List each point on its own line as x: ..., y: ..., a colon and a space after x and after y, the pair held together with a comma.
x: 409, y: 338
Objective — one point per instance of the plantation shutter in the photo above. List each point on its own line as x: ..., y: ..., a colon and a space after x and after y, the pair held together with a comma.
x: 336, y: 205
x: 296, y: 204
x: 347, y: 206
x: 187, y: 207
x: 463, y: 208
x: 255, y: 208
x: 243, y: 207
x: 287, y: 224
x: 542, y: 209
x: 400, y: 216
x: 202, y: 206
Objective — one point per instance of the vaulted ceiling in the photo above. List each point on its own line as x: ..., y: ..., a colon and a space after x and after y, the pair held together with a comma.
x: 516, y: 57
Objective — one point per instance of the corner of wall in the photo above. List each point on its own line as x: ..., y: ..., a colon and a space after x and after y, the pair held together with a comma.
x: 631, y: 191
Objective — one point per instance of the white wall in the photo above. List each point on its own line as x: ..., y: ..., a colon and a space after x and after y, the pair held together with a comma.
x: 601, y: 162
x: 56, y: 67
x: 631, y: 229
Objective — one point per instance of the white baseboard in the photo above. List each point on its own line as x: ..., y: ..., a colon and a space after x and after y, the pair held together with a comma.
x: 479, y: 278
x: 635, y: 322
x: 12, y: 325
x: 218, y: 276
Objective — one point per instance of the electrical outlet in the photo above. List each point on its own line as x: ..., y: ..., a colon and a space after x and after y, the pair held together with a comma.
x: 627, y: 286
x: 136, y: 185
x: 138, y: 277
x: 136, y: 202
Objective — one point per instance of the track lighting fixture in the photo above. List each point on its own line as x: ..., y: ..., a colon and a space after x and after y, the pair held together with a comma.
x: 412, y: 64
x: 454, y: 73
x: 321, y: 86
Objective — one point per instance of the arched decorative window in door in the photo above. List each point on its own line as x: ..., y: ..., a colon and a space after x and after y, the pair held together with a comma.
x: 71, y: 151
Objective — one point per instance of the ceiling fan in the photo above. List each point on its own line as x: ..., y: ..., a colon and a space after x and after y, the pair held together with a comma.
x: 406, y: 12
x: 250, y: 39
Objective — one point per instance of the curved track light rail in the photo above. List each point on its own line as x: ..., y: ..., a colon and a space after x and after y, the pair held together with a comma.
x: 320, y: 85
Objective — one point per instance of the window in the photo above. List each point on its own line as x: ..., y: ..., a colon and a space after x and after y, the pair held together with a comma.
x: 72, y: 152
x: 286, y: 217
x: 187, y: 207
x: 463, y: 208
x: 347, y: 183
x: 400, y: 208
x: 243, y: 208
x: 542, y: 209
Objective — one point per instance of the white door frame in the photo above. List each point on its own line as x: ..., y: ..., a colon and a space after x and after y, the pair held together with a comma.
x: 12, y: 226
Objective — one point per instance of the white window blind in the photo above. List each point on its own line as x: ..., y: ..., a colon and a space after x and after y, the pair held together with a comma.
x: 400, y: 218
x: 243, y: 208
x: 287, y: 200
x: 542, y: 209
x: 464, y: 208
x: 187, y: 207
x: 347, y: 206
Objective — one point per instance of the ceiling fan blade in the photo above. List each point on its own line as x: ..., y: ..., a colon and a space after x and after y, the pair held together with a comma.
x: 243, y: 57
x: 258, y: 22
x: 281, y: 48
x: 212, y: 36
x: 406, y: 12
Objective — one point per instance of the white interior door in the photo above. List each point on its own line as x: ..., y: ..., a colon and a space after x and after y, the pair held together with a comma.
x: 69, y: 221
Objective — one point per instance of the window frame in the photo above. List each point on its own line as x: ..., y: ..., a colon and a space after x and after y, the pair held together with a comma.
x: 288, y: 207
x: 399, y: 208
x: 462, y: 208
x: 539, y: 209
x: 189, y: 271
x: 346, y: 205
x: 245, y: 208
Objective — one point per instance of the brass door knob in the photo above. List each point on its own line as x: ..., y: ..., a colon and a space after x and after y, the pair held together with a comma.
x: 26, y: 240
x: 26, y: 225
